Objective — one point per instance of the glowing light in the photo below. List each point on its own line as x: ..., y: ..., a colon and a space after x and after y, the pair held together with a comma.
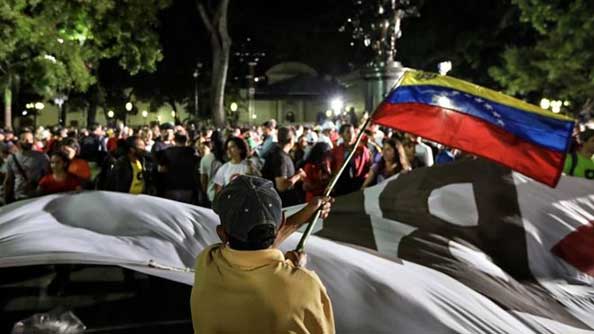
x: 566, y: 103
x: 328, y: 113
x: 39, y: 106
x: 337, y: 104
x: 254, y: 116
x: 545, y: 103
x: 129, y: 106
x: 444, y: 67
x: 61, y: 41
x: 556, y: 106
x: 144, y: 113
x: 234, y: 106
x: 25, y: 113
x: 256, y: 79
x: 110, y: 114
x: 173, y: 113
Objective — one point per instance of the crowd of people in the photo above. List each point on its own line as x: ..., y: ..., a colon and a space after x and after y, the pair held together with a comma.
x: 191, y: 162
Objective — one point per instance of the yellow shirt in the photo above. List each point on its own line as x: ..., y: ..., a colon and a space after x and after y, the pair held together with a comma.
x: 137, y: 185
x: 257, y: 292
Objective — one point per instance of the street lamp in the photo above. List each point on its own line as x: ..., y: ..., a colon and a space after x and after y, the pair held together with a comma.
x: 247, y: 55
x: 196, y: 74
x: 129, y: 106
x: 59, y: 101
x: 444, y: 67
x: 110, y: 114
x: 38, y: 106
x: 556, y: 106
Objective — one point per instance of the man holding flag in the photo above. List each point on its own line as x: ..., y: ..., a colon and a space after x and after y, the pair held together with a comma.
x: 245, y: 284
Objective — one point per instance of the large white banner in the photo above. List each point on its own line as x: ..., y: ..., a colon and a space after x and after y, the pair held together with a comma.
x: 466, y: 248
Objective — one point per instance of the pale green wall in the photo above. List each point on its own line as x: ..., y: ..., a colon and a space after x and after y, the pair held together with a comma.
x: 50, y: 114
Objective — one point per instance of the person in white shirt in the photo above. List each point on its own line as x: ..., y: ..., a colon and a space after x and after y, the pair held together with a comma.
x: 424, y: 152
x: 238, y: 164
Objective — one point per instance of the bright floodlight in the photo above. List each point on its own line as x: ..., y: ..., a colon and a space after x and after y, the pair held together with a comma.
x: 444, y: 67
x: 545, y: 103
x: 24, y: 112
x: 129, y: 106
x: 110, y: 114
x: 556, y: 106
x: 144, y: 113
x: 234, y: 106
x: 336, y: 104
x: 39, y: 106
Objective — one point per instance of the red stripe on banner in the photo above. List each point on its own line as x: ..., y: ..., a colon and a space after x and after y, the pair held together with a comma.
x: 474, y: 136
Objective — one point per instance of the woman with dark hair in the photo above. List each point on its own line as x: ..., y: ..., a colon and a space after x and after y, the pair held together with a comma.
x: 76, y: 166
x: 317, y: 170
x: 238, y: 164
x: 60, y: 180
x: 211, y: 162
x: 393, y: 161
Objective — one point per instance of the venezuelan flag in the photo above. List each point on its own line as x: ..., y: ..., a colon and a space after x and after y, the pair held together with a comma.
x: 480, y: 121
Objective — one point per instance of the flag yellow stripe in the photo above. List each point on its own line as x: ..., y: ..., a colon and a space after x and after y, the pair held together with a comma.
x: 412, y: 78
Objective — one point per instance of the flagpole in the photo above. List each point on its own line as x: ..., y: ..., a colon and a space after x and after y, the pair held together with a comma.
x: 301, y: 245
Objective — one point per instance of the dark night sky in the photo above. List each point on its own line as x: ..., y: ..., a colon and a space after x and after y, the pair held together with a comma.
x: 307, y: 31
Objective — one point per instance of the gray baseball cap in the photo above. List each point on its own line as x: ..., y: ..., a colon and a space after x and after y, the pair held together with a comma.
x: 247, y: 201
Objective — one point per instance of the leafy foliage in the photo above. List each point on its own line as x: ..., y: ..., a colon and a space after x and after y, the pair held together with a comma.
x: 560, y: 62
x: 56, y: 45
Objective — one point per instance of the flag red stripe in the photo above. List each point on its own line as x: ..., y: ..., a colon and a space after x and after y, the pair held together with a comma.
x: 474, y: 136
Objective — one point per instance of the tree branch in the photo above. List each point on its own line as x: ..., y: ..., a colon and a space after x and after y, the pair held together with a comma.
x: 222, y: 22
x: 205, y: 18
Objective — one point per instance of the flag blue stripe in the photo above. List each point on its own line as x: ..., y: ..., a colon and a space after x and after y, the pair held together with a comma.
x: 551, y: 133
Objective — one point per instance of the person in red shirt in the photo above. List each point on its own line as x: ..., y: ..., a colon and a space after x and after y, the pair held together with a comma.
x: 356, y: 171
x: 317, y: 170
x: 76, y: 166
x: 59, y: 180
x: 112, y: 142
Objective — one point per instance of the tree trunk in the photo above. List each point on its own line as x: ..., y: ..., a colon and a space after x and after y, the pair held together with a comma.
x: 92, y: 112
x: 216, y: 24
x: 8, y: 105
x: 63, y: 113
x: 220, y: 66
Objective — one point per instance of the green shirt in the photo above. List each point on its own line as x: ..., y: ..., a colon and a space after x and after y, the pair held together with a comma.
x: 584, y: 166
